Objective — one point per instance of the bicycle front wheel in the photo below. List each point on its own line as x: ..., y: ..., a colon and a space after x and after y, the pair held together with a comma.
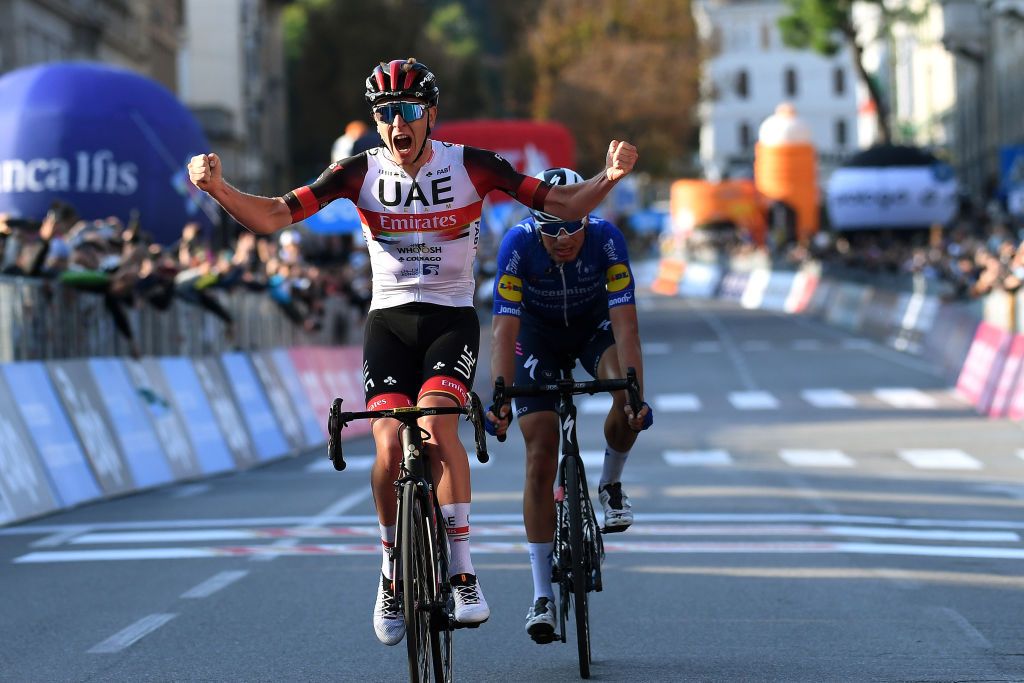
x: 581, y: 561
x: 419, y: 583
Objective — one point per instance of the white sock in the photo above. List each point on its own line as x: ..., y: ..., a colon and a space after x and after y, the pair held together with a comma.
x: 387, y: 542
x: 540, y: 563
x: 456, y: 522
x: 614, y: 461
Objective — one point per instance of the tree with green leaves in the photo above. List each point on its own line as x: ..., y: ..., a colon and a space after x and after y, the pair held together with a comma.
x: 825, y: 26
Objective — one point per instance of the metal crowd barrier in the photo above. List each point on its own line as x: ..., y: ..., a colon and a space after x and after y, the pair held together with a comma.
x: 43, y: 320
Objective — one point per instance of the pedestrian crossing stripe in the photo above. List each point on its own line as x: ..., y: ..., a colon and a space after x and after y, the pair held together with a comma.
x: 940, y: 459
x: 921, y: 459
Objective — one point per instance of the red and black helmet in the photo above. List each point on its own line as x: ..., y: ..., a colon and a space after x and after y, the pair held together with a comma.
x: 402, y: 78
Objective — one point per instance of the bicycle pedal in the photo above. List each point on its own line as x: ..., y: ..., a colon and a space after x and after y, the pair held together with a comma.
x: 613, y: 529
x: 544, y: 638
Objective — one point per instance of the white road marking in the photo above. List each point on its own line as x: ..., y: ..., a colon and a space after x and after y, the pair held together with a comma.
x: 189, y: 490
x: 677, y: 402
x: 828, y: 398
x: 697, y: 458
x: 657, y: 348
x: 132, y: 634
x: 706, y: 347
x: 60, y: 538
x: 595, y: 405
x: 512, y: 517
x: 815, y: 458
x: 753, y: 400
x: 966, y: 627
x: 904, y: 397
x: 497, y: 547
x: 806, y: 345
x: 856, y: 344
x: 939, y: 459
x: 756, y: 345
x: 213, y: 584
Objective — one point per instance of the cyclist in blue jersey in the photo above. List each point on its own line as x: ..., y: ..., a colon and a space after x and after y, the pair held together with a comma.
x: 564, y: 290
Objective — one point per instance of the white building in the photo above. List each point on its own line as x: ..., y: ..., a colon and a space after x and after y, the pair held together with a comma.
x: 231, y: 71
x: 750, y: 72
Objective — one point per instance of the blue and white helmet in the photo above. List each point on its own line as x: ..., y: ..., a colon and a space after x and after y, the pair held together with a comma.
x: 557, y: 176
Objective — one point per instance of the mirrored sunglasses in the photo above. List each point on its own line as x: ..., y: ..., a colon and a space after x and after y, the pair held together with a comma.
x: 570, y: 228
x: 409, y: 111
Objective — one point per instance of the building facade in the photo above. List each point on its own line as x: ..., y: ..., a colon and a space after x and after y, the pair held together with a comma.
x: 750, y: 72
x: 141, y: 35
x: 232, y: 77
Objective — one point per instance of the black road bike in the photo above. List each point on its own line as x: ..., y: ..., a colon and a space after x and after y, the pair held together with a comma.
x: 579, y: 549
x: 421, y: 545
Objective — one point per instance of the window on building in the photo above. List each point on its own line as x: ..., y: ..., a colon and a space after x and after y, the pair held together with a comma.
x: 842, y: 134
x: 839, y: 81
x: 743, y: 84
x: 790, y: 85
x: 746, y: 137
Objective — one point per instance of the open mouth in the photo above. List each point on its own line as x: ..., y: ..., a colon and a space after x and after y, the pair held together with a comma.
x: 403, y: 142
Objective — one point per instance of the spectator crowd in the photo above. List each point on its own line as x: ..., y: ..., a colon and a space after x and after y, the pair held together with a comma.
x: 301, y: 273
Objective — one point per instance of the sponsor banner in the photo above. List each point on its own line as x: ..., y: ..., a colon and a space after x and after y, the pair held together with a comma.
x: 700, y: 280
x: 263, y: 428
x: 215, y: 385
x: 780, y: 284
x: 24, y: 488
x: 734, y: 284
x: 892, y: 197
x: 311, y: 421
x: 881, y: 313
x: 753, y: 293
x: 341, y: 368
x: 51, y: 432
x: 847, y: 305
x: 306, y: 362
x: 132, y: 427
x: 951, y: 335
x: 279, y: 399
x: 805, y: 284
x: 197, y: 415
x: 84, y: 405
x: 984, y: 364
x: 1008, y: 378
x: 155, y: 396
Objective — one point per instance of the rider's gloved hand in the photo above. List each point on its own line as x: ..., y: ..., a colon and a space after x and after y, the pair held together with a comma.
x: 646, y: 417
x: 491, y: 427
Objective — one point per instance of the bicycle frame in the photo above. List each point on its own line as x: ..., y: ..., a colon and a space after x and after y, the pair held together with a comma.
x: 421, y: 542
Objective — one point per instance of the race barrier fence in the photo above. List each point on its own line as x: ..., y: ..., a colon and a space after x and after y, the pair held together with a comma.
x: 980, y: 342
x: 74, y: 431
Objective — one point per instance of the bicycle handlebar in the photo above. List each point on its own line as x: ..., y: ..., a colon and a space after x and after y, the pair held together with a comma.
x: 570, y: 387
x: 337, y: 420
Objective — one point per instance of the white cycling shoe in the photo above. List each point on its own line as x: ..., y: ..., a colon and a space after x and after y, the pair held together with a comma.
x: 470, y: 606
x: 540, y: 621
x: 388, y: 620
x: 618, y: 513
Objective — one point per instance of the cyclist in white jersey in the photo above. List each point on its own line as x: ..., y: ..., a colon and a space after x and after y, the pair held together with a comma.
x: 419, y: 202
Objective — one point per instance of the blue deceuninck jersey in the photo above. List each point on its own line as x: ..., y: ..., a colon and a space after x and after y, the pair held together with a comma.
x: 530, y: 284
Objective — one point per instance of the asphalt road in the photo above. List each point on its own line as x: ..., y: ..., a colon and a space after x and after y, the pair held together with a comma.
x: 810, y: 507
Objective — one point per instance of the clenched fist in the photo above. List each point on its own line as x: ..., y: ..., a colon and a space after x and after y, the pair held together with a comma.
x: 205, y: 173
x: 622, y: 157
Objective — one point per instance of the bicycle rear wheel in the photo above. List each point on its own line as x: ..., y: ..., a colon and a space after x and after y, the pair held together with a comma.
x: 581, y: 562
x: 419, y: 585
x: 441, y: 619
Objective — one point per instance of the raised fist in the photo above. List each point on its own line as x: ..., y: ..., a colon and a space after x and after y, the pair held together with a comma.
x: 204, y: 171
x: 621, y: 159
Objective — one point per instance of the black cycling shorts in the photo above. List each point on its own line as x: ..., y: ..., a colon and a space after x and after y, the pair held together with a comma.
x: 419, y: 348
x: 541, y: 351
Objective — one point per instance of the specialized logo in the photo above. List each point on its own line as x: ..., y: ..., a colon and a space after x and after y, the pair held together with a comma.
x: 510, y: 288
x: 531, y: 365
x: 618, y: 277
